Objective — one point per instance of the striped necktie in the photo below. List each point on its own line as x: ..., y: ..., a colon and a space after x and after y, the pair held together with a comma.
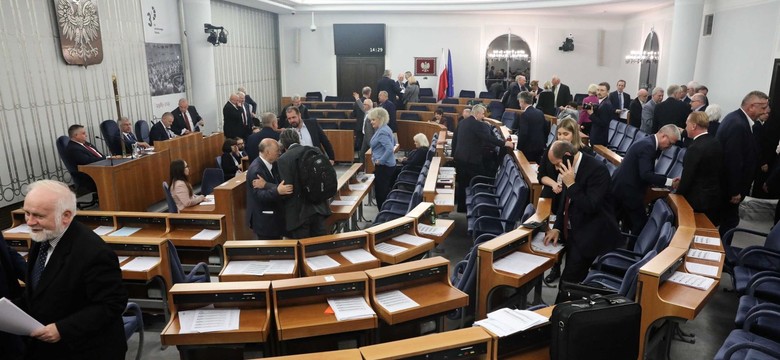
x: 40, y: 264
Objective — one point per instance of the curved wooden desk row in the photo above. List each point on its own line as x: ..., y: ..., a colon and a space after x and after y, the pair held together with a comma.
x: 140, y: 180
x: 300, y: 305
x: 407, y: 129
x: 333, y: 245
x: 352, y: 188
x: 437, y: 190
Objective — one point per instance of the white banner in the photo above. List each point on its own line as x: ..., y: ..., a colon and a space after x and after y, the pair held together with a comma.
x: 164, y: 62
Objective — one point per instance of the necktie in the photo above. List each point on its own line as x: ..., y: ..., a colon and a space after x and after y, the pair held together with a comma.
x: 170, y: 134
x: 40, y: 264
x: 566, y: 224
x: 556, y: 95
x: 187, y: 119
x: 620, y: 95
x: 243, y: 115
x: 93, y: 151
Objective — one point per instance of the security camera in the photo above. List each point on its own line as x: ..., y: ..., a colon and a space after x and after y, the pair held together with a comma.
x: 313, y: 28
x: 293, y: 12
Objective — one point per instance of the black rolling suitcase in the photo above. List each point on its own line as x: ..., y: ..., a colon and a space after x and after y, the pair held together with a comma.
x: 601, y: 327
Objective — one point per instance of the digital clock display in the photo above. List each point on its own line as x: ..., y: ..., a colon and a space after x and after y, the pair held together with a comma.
x: 359, y: 39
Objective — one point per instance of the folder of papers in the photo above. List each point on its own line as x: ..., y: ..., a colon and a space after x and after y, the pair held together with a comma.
x: 692, y: 280
x: 206, y: 234
x: 426, y: 229
x: 503, y: 322
x: 705, y: 255
x: 208, y: 320
x: 537, y: 244
x: 706, y: 240
x: 412, y: 240
x: 125, y: 231
x: 357, y: 256
x: 342, y: 202
x: 350, y: 308
x: 103, y: 230
x: 395, y: 300
x: 356, y: 187
x: 321, y: 262
x: 701, y: 269
x: 16, y: 321
x: 389, y: 249
x: 141, y: 263
x: 519, y: 263
x: 20, y: 229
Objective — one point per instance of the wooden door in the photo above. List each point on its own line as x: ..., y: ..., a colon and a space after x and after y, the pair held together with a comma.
x: 355, y: 72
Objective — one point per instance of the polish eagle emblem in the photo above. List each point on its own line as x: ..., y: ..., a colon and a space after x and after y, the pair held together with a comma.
x: 80, y: 31
x: 425, y: 66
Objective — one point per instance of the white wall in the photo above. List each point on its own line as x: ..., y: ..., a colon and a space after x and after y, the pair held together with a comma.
x: 467, y: 36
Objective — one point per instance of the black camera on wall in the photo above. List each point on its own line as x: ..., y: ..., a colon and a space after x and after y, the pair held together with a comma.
x: 568, y: 44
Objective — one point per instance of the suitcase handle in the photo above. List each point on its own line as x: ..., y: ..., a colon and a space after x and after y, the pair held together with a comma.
x: 598, y: 297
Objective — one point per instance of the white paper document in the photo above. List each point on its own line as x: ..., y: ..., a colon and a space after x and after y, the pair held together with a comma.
x: 519, y: 263
x: 23, y: 253
x: 446, y: 170
x: 412, y: 240
x: 206, y: 234
x: 426, y: 229
x: 705, y: 255
x: 20, y: 229
x: 706, y: 240
x: 208, y: 320
x: 503, y: 322
x: 395, y: 300
x: 692, y: 280
x: 103, y: 230
x: 125, y: 231
x: 389, y: 249
x: 701, y: 269
x: 321, y: 262
x: 349, y: 198
x: 441, y: 200
x: 281, y: 267
x: 446, y: 176
x: 356, y: 187
x: 343, y: 202
x: 16, y: 321
x: 537, y: 244
x: 445, y: 191
x: 141, y: 263
x: 246, y: 267
x: 350, y: 308
x: 208, y: 200
x: 357, y: 256
x: 122, y: 258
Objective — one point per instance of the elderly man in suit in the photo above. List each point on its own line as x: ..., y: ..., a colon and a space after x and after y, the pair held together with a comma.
x: 635, y: 109
x: 310, y: 133
x: 600, y: 116
x: 79, y: 150
x: 700, y: 179
x: 127, y: 137
x: 264, y: 213
x: 531, y: 128
x: 269, y: 130
x: 386, y: 102
x: 236, y: 124
x: 249, y: 101
x: 585, y: 220
x: 74, y: 283
x: 561, y: 92
x: 185, y: 118
x: 672, y: 110
x: 637, y: 172
x: 620, y: 100
x: 360, y: 114
x: 648, y: 110
x: 162, y: 129
x: 390, y: 86
x: 740, y: 154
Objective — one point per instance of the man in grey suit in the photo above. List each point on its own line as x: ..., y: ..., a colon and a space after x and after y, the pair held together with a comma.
x: 649, y: 109
x: 367, y: 130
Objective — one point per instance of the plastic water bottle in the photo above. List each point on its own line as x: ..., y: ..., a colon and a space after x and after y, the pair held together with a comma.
x: 135, y: 151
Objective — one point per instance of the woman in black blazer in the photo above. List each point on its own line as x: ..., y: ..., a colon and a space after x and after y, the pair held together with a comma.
x: 231, y: 158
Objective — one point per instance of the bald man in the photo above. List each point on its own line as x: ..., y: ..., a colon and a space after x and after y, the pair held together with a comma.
x: 264, y: 190
x: 635, y: 109
x: 235, y: 123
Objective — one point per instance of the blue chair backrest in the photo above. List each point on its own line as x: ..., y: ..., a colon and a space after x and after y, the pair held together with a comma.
x: 628, y: 139
x: 110, y: 132
x: 612, y: 127
x: 142, y: 130
x: 448, y: 109
x: 677, y: 168
x: 410, y: 116
x: 486, y: 95
x: 578, y: 98
x: 418, y: 108
x: 648, y: 237
x: 666, y: 160
x: 628, y: 286
x: 508, y: 119
x: 331, y: 98
x: 212, y: 177
x: 529, y: 211
x: 553, y: 134
x: 639, y: 135
x: 219, y: 162
x: 427, y: 99
x: 664, y: 237
x: 610, y: 167
x: 314, y: 96
x: 177, y: 272
x: 62, y: 145
x: 426, y: 92
x: 620, y: 133
x: 467, y: 94
x: 450, y: 101
x: 496, y: 109
x: 172, y: 208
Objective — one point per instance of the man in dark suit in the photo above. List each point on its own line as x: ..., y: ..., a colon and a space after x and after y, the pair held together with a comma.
x: 360, y: 114
x: 671, y: 110
x: 162, y: 129
x: 264, y: 211
x: 246, y: 113
x: 249, y: 101
x: 585, y: 221
x: 739, y: 155
x: 514, y: 90
x: 297, y: 102
x: 766, y: 144
x: 600, y: 116
x: 269, y: 131
x: 79, y: 151
x: 620, y: 100
x: 185, y: 118
x: 310, y: 133
x: 387, y: 104
x: 698, y: 102
x: 637, y: 172
x: 302, y: 218
x: 127, y: 137
x: 531, y: 128
x: 235, y: 123
x: 391, y: 87
x: 700, y: 180
x: 561, y: 92
x: 75, y: 285
x: 13, y: 268
x: 471, y: 137
x: 635, y: 109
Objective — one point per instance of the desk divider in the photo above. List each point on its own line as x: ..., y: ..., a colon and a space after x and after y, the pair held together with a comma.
x: 384, y: 234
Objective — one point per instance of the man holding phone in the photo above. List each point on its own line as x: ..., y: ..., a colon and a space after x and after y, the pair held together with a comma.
x: 585, y: 220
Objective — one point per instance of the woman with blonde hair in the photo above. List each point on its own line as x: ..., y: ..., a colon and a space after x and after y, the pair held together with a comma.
x: 590, y: 100
x: 411, y: 91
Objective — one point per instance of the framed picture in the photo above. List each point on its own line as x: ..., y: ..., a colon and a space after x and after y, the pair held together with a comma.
x: 424, y: 66
x: 79, y: 27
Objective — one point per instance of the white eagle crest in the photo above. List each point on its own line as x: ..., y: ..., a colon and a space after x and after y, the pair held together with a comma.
x: 79, y: 22
x: 425, y: 66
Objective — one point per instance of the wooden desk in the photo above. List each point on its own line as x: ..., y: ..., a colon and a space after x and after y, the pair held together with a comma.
x: 489, y: 278
x: 343, y: 142
x: 686, y: 221
x: 347, y: 213
x: 137, y: 281
x: 332, y: 246
x: 425, y: 214
x: 468, y: 101
x: 259, y: 250
x: 251, y: 297
x: 471, y: 343
x: 425, y: 281
x: 199, y: 151
x: 19, y: 241
x: 151, y: 224
x: 181, y: 229
x: 530, y: 174
x: 608, y: 154
x: 542, y: 353
x: 140, y: 181
x: 229, y: 200
x: 94, y: 219
x: 407, y: 129
x: 433, y: 106
x: 385, y: 232
x: 443, y: 203
x: 349, y: 354
x: 300, y: 304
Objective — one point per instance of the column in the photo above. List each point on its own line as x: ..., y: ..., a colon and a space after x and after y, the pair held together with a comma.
x: 684, y: 46
x: 203, y: 91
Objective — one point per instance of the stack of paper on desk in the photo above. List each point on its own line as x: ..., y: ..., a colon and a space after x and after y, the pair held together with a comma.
x: 357, y: 256
x: 280, y: 267
x: 389, y: 249
x: 356, y: 187
x: 343, y: 202
x: 208, y: 320
x: 503, y: 322
x: 446, y: 170
x: 206, y: 234
x: 444, y: 201
x: 103, y: 230
x: 208, y: 200
x: 519, y: 263
x: 412, y: 240
x: 141, y: 263
x: 125, y: 231
x: 321, y: 262
x: 445, y: 191
x: 706, y: 240
x: 21, y: 229
x: 701, y: 269
x: 691, y: 280
x: 705, y: 255
x: 395, y: 300
x: 426, y: 229
x: 350, y: 308
x: 246, y: 267
x: 122, y: 258
x: 538, y: 245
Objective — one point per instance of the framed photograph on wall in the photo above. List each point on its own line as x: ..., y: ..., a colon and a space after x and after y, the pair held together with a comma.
x: 425, y: 66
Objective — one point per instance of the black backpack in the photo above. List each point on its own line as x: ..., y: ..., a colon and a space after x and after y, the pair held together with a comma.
x: 317, y: 176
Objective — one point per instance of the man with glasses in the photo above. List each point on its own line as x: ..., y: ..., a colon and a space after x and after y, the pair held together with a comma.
x: 698, y: 102
x: 739, y: 154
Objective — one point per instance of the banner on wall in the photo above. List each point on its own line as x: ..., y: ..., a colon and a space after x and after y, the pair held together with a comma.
x: 163, y: 54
